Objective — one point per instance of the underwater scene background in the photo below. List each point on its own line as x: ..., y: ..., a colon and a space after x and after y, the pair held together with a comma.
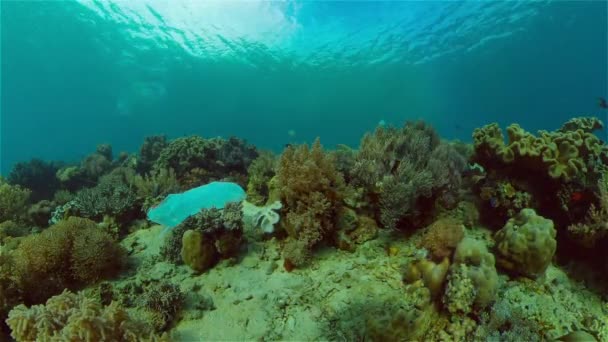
x: 116, y: 71
x: 303, y: 171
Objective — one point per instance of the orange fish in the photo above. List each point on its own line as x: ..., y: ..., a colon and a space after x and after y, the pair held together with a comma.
x: 577, y: 196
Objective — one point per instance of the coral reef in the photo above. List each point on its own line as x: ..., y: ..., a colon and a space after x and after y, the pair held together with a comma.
x: 526, y: 244
x: 398, y: 167
x: 165, y: 300
x: 113, y: 196
x: 430, y: 276
x: 204, y: 238
x: 75, y: 317
x: 259, y: 174
x: 565, y: 154
x: 442, y: 237
x: 149, y: 152
x: 36, y: 175
x: 310, y: 189
x: 69, y: 254
x: 211, y: 159
x: 473, y: 262
x: 13, y: 201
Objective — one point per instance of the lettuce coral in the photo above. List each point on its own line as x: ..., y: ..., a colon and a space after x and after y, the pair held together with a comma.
x: 565, y: 154
x: 75, y: 317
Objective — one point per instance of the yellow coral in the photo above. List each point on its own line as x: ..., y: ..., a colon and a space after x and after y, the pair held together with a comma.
x: 562, y: 154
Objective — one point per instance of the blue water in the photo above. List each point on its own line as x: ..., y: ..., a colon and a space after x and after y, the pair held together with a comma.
x: 78, y: 73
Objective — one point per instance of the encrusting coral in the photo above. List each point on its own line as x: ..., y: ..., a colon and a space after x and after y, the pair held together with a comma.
x: 76, y: 317
x: 526, y: 244
x: 69, y: 254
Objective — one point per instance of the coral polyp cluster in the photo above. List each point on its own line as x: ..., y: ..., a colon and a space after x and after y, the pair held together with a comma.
x: 406, y: 237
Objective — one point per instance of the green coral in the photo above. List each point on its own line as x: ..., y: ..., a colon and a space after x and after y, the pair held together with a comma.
x: 526, y: 244
x: 473, y: 261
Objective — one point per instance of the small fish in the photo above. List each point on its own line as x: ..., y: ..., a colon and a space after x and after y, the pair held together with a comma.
x: 494, y: 202
x: 602, y: 103
x: 577, y: 196
x: 291, y: 133
x: 382, y: 123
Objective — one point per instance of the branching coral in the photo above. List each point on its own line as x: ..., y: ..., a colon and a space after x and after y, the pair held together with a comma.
x: 75, y: 317
x: 36, y: 175
x: 13, y: 201
x: 153, y: 187
x: 165, y: 300
x: 310, y: 189
x: 595, y: 226
x: 259, y: 174
x: 70, y: 254
x: 113, y: 196
x: 215, y: 157
x: 397, y: 167
x: 149, y: 152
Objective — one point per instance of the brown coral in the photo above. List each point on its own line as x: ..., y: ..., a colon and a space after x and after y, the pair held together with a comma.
x: 442, y: 237
x: 310, y: 189
x: 69, y: 254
